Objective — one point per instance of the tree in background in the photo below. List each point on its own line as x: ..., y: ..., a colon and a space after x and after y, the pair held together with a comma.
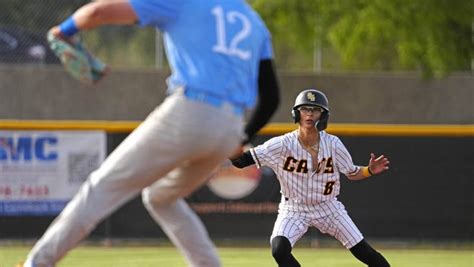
x: 433, y: 36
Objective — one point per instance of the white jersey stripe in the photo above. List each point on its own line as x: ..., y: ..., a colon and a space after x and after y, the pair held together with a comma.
x: 257, y: 162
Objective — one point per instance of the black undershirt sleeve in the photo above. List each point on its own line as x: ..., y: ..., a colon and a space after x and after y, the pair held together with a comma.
x: 268, y: 99
x: 243, y: 160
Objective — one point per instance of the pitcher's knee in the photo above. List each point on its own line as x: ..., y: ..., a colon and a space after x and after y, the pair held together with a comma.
x: 156, y: 200
x: 151, y: 200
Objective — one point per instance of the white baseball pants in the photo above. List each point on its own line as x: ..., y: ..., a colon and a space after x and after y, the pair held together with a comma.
x: 329, y: 217
x: 169, y: 155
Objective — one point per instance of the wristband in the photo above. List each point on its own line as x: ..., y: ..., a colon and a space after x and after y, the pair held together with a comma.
x: 68, y: 27
x: 366, y: 171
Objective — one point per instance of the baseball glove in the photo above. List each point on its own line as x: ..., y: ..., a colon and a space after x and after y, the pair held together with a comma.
x: 77, y: 60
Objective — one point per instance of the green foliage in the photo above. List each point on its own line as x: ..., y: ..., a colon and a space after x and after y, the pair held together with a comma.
x: 433, y: 36
x: 122, y: 46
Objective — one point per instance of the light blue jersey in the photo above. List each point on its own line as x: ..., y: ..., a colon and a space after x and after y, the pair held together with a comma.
x: 213, y: 47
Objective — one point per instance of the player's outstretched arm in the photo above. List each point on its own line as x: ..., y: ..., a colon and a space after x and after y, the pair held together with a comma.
x: 376, y: 166
x: 76, y: 59
x: 100, y: 13
x: 245, y: 159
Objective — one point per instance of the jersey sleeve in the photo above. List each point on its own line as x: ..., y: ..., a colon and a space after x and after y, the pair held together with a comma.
x: 267, y: 49
x: 267, y: 154
x: 344, y: 159
x: 156, y: 12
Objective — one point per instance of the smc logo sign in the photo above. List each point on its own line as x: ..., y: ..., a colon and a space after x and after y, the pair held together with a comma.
x: 28, y: 148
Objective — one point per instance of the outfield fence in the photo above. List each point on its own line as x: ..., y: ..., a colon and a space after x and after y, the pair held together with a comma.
x: 424, y: 196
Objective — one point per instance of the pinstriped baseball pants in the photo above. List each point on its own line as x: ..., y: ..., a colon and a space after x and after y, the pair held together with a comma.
x: 329, y: 217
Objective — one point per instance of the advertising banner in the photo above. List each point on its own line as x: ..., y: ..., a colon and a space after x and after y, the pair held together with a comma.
x: 40, y: 171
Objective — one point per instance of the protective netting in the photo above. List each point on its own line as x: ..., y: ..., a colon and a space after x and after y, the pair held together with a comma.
x: 24, y: 24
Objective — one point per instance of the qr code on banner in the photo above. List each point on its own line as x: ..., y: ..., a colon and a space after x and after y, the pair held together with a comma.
x: 81, y: 165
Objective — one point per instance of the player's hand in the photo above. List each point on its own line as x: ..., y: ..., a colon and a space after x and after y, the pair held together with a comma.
x: 378, y: 165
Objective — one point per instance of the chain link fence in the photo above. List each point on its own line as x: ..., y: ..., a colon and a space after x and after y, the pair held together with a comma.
x: 24, y: 24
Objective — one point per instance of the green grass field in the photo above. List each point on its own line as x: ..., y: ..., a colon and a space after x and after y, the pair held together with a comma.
x: 96, y: 256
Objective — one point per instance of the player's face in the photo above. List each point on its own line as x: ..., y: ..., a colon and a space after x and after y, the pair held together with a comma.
x: 309, y: 115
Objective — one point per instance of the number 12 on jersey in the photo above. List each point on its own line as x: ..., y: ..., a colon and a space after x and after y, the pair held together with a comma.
x: 232, y: 48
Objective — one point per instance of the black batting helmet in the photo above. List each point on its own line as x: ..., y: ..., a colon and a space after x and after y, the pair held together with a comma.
x: 312, y: 97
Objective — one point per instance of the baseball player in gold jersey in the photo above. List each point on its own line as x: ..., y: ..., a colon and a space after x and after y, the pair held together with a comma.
x: 307, y: 163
